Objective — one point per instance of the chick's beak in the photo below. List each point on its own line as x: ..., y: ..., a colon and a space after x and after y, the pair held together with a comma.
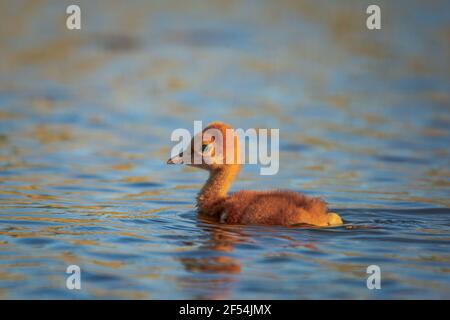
x: 178, y: 159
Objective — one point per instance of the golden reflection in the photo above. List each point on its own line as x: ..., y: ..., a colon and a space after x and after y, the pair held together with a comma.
x: 85, y: 242
x: 52, y: 219
x: 109, y: 264
x: 119, y: 294
x: 51, y: 134
x: 5, y: 275
x: 123, y: 166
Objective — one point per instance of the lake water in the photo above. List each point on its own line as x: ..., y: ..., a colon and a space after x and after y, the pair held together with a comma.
x: 85, y: 124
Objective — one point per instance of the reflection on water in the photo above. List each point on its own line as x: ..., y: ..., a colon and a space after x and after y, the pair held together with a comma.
x: 85, y: 121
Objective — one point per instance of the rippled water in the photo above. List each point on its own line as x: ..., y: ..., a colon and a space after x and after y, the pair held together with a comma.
x: 85, y: 124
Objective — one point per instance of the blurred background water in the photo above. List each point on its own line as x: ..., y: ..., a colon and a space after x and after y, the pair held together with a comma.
x: 85, y: 124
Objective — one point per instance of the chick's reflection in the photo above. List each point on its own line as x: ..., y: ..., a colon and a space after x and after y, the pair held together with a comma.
x: 214, y: 255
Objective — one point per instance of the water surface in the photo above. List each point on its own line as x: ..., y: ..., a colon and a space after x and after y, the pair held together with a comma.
x: 85, y: 124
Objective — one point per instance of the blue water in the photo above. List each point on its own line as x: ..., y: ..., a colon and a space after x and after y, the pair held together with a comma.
x: 85, y: 124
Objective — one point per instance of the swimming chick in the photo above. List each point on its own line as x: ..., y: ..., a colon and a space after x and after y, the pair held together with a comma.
x: 275, y: 207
